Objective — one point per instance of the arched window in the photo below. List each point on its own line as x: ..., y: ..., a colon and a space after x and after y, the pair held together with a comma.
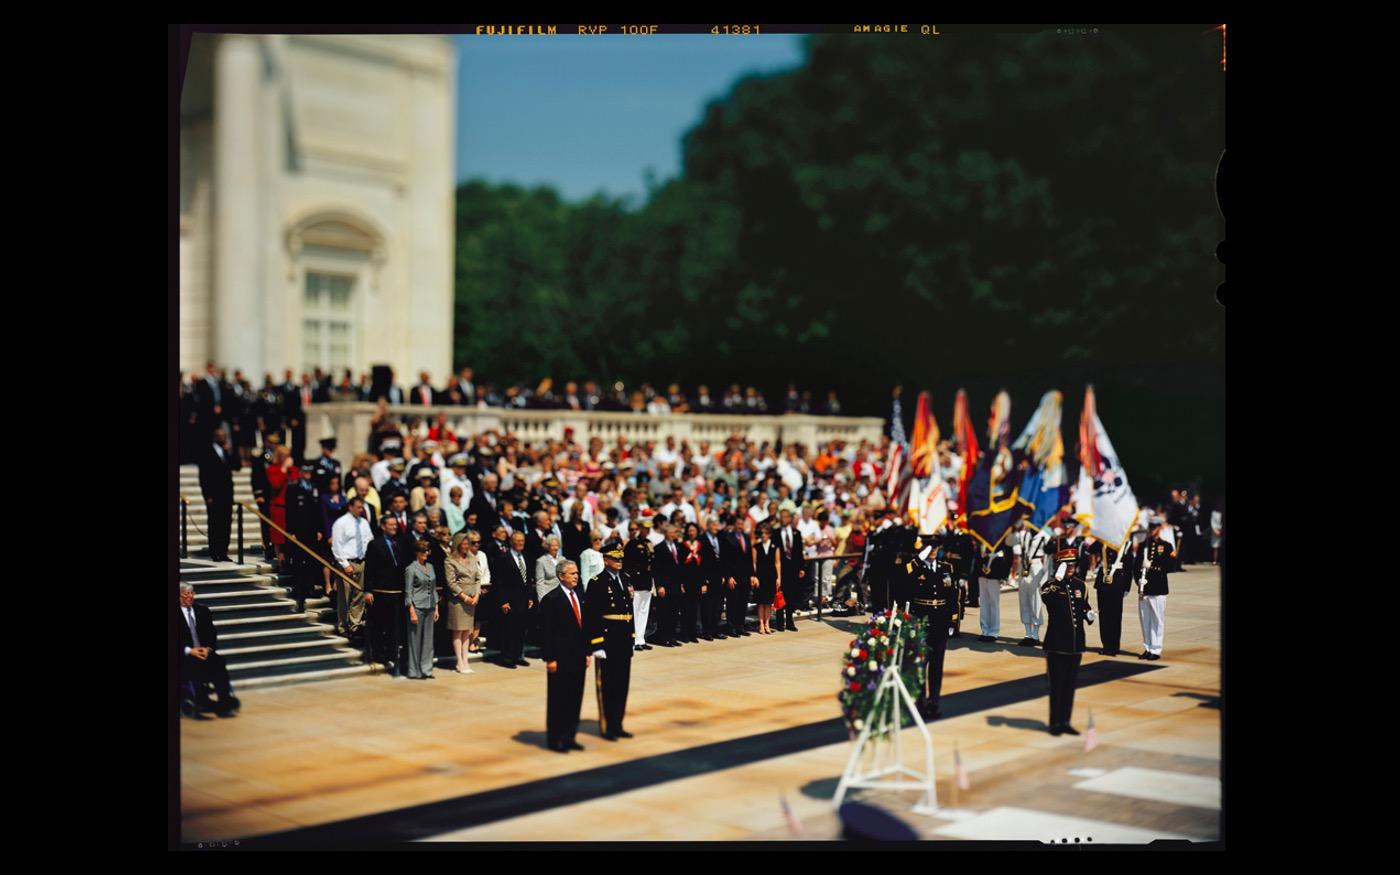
x: 334, y: 258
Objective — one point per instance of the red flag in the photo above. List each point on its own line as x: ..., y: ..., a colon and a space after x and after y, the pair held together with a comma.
x: 965, y: 438
x: 924, y: 450
x: 1091, y: 735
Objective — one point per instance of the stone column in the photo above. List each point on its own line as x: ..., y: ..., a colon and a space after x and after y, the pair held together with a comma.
x: 237, y: 299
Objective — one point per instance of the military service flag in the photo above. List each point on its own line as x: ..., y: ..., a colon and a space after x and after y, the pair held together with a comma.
x: 1104, y: 501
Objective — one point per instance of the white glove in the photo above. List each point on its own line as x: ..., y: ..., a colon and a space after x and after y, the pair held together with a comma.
x: 600, y: 654
x: 1090, y: 617
x: 1060, y: 575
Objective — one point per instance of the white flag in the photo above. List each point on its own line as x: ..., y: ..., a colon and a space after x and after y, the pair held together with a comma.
x: 1103, y: 500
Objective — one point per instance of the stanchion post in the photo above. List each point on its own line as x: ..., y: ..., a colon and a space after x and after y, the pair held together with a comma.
x: 240, y: 534
x: 184, y: 529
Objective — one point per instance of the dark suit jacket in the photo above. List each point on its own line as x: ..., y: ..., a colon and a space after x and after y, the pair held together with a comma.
x: 712, y: 567
x: 563, y: 638
x: 486, y: 518
x: 204, y: 622
x: 792, y: 559
x: 738, y: 563
x: 215, y: 475
x: 665, y: 571
x: 384, y: 570
x: 415, y: 394
x: 534, y: 545
x: 508, y: 585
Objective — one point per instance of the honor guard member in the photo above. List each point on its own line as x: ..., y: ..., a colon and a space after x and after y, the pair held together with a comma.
x: 1111, y: 582
x: 935, y: 597
x: 906, y: 544
x: 1066, y: 609
x: 305, y: 522
x: 960, y: 552
x: 881, y: 562
x: 1150, y: 566
x: 1062, y: 537
x: 1030, y: 570
x: 636, y: 573
x: 327, y: 466
x: 996, y: 569
x: 262, y: 488
x: 396, y: 484
x: 609, y: 629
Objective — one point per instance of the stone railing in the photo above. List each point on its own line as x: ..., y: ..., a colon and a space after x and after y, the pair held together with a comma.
x: 349, y: 423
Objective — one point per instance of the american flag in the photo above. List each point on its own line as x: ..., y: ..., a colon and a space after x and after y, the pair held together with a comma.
x: 1091, y: 735
x: 898, y: 472
x: 958, y: 771
x: 794, y: 825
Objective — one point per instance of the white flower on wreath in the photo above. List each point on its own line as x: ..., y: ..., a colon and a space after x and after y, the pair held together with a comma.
x: 851, y: 672
x: 858, y: 724
x: 879, y: 621
x: 871, y: 665
x: 855, y: 651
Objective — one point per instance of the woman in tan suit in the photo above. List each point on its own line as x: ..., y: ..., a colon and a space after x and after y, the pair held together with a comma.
x: 464, y: 591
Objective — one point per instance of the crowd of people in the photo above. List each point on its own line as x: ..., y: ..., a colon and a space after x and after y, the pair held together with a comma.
x: 230, y: 399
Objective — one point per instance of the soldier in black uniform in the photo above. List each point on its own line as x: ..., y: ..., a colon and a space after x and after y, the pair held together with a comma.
x: 262, y: 489
x: 608, y: 627
x: 960, y: 552
x: 934, y: 596
x: 636, y: 575
x: 1066, y: 601
x: 327, y: 466
x: 305, y: 522
x: 1111, y: 582
x: 1151, y: 560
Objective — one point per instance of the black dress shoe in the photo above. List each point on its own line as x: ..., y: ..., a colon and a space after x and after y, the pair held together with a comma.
x: 557, y: 747
x: 522, y: 663
x: 506, y: 664
x: 637, y: 647
x: 1056, y: 730
x: 608, y: 736
x: 1144, y: 655
x: 646, y: 646
x: 707, y: 637
x: 1025, y: 642
x: 988, y: 638
x: 573, y: 745
x: 1069, y: 730
x: 791, y: 627
x: 623, y: 733
x: 1154, y: 656
x: 720, y: 636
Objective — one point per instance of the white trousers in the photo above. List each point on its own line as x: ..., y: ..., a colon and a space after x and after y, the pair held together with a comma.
x: 1028, y: 593
x: 641, y: 609
x: 1152, y: 610
x: 989, y: 605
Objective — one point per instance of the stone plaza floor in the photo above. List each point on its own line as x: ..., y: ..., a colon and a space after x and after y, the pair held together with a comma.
x: 725, y: 732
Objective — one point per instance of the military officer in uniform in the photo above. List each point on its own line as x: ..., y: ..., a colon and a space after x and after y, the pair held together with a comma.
x: 1111, y: 582
x: 934, y: 596
x: 327, y: 466
x: 1066, y: 601
x: 996, y: 569
x: 609, y: 631
x: 1029, y: 569
x: 960, y: 552
x: 636, y: 572
x: 1151, y: 563
x: 305, y: 522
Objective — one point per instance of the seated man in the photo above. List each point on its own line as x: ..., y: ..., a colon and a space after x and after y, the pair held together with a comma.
x: 199, y: 663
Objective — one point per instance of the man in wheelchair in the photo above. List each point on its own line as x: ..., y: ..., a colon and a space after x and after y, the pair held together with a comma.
x: 200, y: 667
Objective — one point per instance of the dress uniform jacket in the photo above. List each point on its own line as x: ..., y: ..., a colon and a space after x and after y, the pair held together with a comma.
x: 608, y: 627
x: 933, y: 593
x: 1066, y: 604
x: 1158, y: 555
x: 998, y: 564
x: 636, y: 564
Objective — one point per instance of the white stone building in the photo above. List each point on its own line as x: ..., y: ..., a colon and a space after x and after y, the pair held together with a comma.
x: 316, y: 204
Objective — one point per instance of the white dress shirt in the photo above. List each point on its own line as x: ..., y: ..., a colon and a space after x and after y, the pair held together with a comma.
x: 190, y: 621
x: 379, y: 473
x: 344, y: 544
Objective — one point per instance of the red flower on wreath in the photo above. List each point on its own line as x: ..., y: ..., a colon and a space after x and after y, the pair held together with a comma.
x: 855, y: 686
x: 864, y: 654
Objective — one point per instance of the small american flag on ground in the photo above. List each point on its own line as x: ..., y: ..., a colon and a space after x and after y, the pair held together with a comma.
x: 1091, y: 735
x: 958, y: 771
x: 794, y: 825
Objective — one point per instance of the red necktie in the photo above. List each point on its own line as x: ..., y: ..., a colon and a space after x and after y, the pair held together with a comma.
x: 574, y: 602
x: 305, y: 397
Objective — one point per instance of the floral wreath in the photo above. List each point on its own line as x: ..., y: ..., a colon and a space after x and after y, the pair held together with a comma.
x: 868, y: 658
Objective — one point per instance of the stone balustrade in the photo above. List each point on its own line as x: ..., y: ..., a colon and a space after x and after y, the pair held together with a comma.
x: 349, y: 422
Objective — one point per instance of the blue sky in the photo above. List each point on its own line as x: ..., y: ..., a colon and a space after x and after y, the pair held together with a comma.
x: 590, y: 114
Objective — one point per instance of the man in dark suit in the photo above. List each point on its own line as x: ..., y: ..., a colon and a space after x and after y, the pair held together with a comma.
x: 740, y: 579
x: 666, y: 576
x: 385, y: 559
x: 297, y: 401
x: 513, y: 585
x: 217, y: 462
x: 199, y: 663
x: 423, y: 393
x: 566, y: 656
x: 794, y: 570
x: 305, y: 522
x: 211, y: 396
x: 466, y: 389
x: 712, y: 602
x: 535, y: 540
x: 486, y: 505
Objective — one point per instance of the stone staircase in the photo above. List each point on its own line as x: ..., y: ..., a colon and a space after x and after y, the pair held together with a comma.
x: 264, y: 640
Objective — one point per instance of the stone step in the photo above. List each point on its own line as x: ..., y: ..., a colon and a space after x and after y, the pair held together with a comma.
x: 207, y: 586
x: 194, y: 569
x: 268, y: 608
x: 258, y: 651
x: 281, y: 623
x: 299, y: 675
x: 301, y: 632
x: 292, y: 664
x: 238, y: 596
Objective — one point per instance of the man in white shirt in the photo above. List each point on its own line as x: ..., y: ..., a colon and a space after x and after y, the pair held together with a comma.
x: 350, y: 537
x: 456, y: 475
x: 678, y: 502
x: 1029, y: 572
x: 667, y: 455
x: 759, y: 512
